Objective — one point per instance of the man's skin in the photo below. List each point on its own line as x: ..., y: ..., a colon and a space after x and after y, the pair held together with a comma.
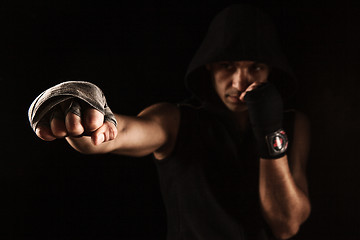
x: 283, y: 191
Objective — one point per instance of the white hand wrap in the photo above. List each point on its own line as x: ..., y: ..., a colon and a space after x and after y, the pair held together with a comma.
x: 42, y: 106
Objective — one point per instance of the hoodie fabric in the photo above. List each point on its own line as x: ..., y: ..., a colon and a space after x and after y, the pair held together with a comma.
x: 240, y: 32
x: 210, y: 181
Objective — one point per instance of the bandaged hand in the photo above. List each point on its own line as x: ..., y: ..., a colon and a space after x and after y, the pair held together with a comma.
x: 72, y: 109
x: 265, y: 108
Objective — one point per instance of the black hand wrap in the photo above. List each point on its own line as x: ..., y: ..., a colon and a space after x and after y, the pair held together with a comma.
x: 46, y: 105
x: 265, y: 108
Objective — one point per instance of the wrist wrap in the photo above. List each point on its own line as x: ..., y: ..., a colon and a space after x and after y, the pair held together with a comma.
x: 265, y: 108
x: 42, y: 107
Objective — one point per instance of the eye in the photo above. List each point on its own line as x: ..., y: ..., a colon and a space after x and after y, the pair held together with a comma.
x: 226, y: 65
x: 258, y: 67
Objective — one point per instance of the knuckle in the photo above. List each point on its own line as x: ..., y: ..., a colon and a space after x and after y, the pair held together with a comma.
x: 59, y: 134
x: 73, y: 124
x: 44, y: 133
x: 58, y: 128
x: 40, y: 133
x: 75, y: 129
x: 93, y: 119
x: 93, y: 123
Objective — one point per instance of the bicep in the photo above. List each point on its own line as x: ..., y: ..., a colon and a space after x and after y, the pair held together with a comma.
x: 300, y: 151
x: 167, y: 116
x: 146, y: 133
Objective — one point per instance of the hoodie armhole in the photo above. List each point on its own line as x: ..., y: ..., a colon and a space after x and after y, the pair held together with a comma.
x: 186, y: 117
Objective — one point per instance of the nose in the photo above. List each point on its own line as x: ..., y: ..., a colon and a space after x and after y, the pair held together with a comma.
x: 240, y: 80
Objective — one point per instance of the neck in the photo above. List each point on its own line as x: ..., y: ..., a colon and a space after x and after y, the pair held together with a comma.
x: 241, y: 117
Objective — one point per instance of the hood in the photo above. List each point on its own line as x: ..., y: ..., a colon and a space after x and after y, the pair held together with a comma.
x: 240, y: 32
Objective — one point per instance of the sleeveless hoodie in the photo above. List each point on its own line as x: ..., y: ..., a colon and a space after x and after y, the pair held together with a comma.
x: 210, y: 181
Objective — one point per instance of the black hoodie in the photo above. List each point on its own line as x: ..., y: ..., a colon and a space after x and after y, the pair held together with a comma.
x: 210, y: 181
x: 240, y: 32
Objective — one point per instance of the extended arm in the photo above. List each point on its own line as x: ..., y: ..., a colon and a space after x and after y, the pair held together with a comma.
x: 152, y: 131
x: 283, y: 191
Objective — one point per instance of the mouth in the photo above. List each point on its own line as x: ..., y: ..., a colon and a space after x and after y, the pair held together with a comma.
x: 233, y: 98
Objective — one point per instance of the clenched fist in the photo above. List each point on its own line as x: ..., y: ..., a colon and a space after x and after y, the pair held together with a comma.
x: 74, y: 119
x: 73, y: 108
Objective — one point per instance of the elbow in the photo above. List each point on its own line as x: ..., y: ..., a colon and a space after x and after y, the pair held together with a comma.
x: 286, y: 231
x: 289, y: 227
x: 285, y: 226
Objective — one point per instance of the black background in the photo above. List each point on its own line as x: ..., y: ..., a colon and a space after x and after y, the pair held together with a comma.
x: 138, y: 54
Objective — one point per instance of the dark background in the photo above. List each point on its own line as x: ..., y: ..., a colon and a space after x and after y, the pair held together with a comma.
x: 138, y: 54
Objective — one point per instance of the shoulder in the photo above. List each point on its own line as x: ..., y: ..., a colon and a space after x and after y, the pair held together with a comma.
x: 165, y: 115
x: 163, y: 109
x: 172, y: 113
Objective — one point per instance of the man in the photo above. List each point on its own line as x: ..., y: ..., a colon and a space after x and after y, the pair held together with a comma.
x: 231, y: 162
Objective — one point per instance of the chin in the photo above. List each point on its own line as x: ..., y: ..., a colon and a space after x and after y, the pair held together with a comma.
x: 237, y: 108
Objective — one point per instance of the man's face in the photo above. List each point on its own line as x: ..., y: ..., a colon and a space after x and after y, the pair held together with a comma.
x: 231, y: 79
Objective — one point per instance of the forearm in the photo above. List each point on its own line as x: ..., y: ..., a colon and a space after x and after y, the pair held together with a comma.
x: 73, y: 108
x: 285, y: 205
x: 136, y: 135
